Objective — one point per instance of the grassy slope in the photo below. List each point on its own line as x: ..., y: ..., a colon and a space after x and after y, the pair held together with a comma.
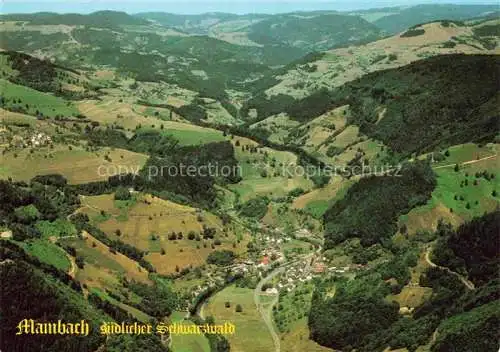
x: 47, y: 104
x: 48, y: 253
x: 448, y: 186
x: 248, y: 323
x: 187, y: 343
x: 77, y: 165
x: 140, y: 221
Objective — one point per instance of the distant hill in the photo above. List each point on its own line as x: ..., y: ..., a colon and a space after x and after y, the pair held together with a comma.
x: 104, y: 19
x: 198, y: 24
x: 314, y: 33
x: 414, y: 15
x: 309, y: 31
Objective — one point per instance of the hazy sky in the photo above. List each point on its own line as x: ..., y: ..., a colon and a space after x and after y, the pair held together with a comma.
x: 201, y: 6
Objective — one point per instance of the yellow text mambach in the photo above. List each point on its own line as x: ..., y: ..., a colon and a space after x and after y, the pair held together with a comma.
x: 30, y: 327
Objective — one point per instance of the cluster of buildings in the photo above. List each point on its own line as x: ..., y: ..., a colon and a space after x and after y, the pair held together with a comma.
x: 40, y: 140
x: 37, y: 139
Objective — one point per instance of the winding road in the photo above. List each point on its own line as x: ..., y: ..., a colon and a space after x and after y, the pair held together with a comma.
x: 266, y: 313
x: 465, y: 281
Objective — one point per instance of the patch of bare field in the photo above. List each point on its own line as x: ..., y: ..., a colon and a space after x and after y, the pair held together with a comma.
x: 217, y: 114
x: 105, y: 74
x: 72, y: 87
x: 278, y: 125
x: 129, y: 267
x: 348, y: 136
x: 315, y: 137
x: 93, y: 276
x: 428, y: 219
x: 368, y: 147
x: 412, y: 296
x: 126, y: 114
x: 175, y: 101
x: 280, y: 156
x: 335, y: 117
x: 104, y: 202
x: 328, y: 192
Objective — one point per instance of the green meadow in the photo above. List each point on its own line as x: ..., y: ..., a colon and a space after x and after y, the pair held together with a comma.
x: 187, y: 342
x: 48, y: 253
x: 32, y: 100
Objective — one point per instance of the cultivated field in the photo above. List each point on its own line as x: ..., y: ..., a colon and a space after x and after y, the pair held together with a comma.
x: 265, y: 171
x: 102, y: 268
x: 148, y: 222
x: 249, y: 324
x: 77, y: 165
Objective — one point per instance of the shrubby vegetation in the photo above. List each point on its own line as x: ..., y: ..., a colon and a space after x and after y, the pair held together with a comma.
x: 255, y: 207
x: 413, y: 32
x: 221, y: 257
x: 22, y: 207
x: 157, y: 300
x: 358, y: 310
x: 469, y: 250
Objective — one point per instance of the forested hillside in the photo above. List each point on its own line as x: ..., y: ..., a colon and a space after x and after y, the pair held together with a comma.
x: 361, y: 316
x: 371, y: 207
x: 316, y: 33
x: 432, y: 103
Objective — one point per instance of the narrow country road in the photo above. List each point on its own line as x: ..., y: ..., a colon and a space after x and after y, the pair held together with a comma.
x: 465, y: 281
x: 466, y: 162
x: 266, y: 314
x: 72, y: 270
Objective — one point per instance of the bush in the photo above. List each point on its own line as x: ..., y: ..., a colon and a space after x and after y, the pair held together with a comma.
x: 255, y: 208
x: 221, y: 257
x: 413, y: 33
x: 449, y: 44
x: 79, y: 261
x: 122, y: 193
